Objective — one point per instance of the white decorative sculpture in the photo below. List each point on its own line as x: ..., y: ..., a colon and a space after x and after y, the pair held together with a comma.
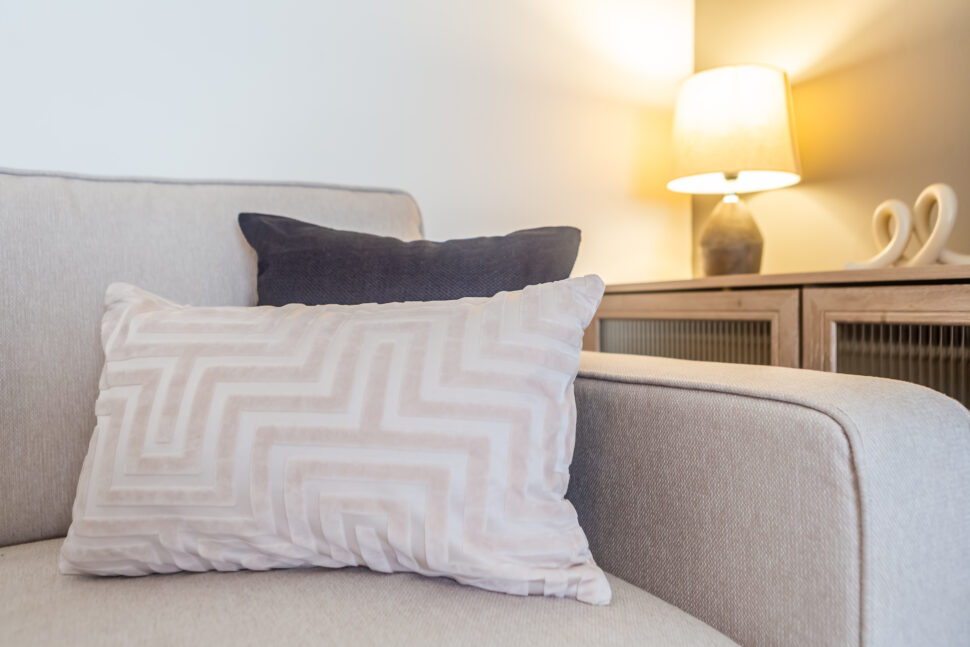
x: 934, y: 242
x: 892, y: 226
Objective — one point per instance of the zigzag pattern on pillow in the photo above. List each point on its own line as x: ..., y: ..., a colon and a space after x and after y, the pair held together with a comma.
x: 429, y: 437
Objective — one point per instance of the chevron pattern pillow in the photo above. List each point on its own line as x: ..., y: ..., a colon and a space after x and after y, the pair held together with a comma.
x: 430, y: 437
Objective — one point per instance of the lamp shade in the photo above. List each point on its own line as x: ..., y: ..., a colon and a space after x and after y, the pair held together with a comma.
x: 734, y: 132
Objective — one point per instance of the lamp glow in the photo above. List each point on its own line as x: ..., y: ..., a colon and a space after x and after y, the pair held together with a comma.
x: 734, y: 132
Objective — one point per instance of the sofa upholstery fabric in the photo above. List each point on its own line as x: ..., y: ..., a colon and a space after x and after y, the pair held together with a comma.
x: 680, y: 490
x: 430, y: 437
x: 64, y: 239
x: 300, y: 262
x: 313, y: 607
x: 781, y: 506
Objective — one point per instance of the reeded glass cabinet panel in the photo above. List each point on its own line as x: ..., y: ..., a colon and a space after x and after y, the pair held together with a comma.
x: 710, y: 340
x: 934, y: 355
x: 743, y: 326
x: 919, y: 334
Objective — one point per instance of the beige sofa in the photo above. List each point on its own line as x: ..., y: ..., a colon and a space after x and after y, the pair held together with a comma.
x: 760, y: 505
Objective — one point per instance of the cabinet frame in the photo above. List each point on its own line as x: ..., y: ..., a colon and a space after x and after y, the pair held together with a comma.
x: 825, y: 308
x: 779, y: 307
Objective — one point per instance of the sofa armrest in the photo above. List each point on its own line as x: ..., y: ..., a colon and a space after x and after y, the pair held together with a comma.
x: 780, y: 506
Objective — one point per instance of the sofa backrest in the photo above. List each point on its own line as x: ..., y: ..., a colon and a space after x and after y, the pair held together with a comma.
x: 63, y: 239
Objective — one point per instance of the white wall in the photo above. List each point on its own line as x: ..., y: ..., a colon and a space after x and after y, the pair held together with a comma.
x: 496, y: 115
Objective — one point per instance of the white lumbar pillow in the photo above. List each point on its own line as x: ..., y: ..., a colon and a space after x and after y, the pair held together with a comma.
x: 427, y: 437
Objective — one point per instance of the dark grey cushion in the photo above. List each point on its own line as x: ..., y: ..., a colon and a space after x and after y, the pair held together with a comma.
x: 304, y: 263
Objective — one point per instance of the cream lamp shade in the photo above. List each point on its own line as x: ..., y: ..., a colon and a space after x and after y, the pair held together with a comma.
x: 734, y: 132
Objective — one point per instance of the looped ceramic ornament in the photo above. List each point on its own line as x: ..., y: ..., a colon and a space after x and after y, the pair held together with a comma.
x: 890, y: 216
x: 934, y: 240
x: 893, y: 225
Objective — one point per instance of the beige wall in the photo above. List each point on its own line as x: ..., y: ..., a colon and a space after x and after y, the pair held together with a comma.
x: 497, y: 115
x: 882, y: 106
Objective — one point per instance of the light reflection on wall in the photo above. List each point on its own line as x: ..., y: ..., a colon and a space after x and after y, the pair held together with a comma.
x: 644, y: 48
x: 809, y: 38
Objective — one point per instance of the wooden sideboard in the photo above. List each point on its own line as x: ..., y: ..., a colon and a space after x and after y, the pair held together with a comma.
x: 904, y: 323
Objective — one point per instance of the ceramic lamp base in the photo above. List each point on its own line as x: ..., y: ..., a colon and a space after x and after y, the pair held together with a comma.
x: 731, y: 242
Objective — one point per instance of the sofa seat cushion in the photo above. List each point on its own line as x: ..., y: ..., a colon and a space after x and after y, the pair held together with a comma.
x: 39, y: 606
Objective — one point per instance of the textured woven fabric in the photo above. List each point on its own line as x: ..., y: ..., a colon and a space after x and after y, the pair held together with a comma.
x: 315, y: 607
x: 63, y: 239
x: 427, y: 437
x: 780, y: 506
x: 300, y: 262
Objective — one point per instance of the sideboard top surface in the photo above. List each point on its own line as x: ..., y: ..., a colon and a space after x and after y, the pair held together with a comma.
x: 926, y: 274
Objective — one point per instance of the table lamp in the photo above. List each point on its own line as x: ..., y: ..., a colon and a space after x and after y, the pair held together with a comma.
x: 733, y: 133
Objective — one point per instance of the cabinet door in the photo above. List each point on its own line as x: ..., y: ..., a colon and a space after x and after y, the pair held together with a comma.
x: 743, y: 326
x: 915, y: 333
